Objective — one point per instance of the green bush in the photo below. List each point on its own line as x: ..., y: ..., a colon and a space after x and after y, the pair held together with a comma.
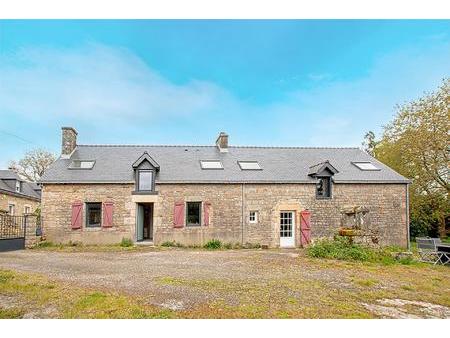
x: 252, y: 245
x: 126, y: 242
x: 172, y: 244
x: 74, y: 243
x: 45, y: 244
x: 342, y: 248
x: 213, y: 244
x: 228, y: 246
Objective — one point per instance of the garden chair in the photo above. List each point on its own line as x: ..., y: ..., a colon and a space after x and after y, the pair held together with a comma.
x: 427, y: 250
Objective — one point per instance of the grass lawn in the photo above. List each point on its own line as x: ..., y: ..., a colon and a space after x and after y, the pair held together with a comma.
x: 34, y: 296
x: 293, y: 287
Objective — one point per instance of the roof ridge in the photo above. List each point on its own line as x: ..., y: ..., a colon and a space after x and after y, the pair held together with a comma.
x: 209, y: 146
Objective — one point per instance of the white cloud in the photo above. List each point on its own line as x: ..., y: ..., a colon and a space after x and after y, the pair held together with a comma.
x: 98, y: 82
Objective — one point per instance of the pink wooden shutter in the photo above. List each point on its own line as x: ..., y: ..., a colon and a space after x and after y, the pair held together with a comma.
x: 77, y: 214
x: 305, y: 227
x: 206, y: 208
x: 178, y: 215
x: 107, y: 214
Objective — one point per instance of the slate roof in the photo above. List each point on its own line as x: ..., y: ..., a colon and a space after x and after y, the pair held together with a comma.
x: 181, y: 164
x: 8, y: 180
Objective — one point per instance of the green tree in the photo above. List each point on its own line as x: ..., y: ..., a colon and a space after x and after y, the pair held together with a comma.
x: 416, y: 144
x: 33, y: 164
x: 369, y: 144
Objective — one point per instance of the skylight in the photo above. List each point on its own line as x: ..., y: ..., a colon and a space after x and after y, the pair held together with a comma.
x: 82, y: 164
x: 249, y: 165
x: 367, y: 166
x: 211, y: 164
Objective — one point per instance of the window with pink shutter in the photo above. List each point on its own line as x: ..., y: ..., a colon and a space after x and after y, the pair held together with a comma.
x: 178, y: 215
x: 77, y: 215
x: 206, y: 211
x: 107, y: 214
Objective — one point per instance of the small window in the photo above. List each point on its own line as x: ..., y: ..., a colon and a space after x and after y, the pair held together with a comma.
x: 253, y: 217
x: 18, y: 186
x: 145, y: 180
x: 82, y: 164
x: 366, y: 166
x: 210, y: 164
x: 193, y: 213
x: 11, y: 209
x: 27, y: 210
x: 249, y: 165
x: 323, y: 187
x: 93, y: 215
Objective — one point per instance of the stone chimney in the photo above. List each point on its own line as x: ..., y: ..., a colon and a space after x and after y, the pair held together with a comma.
x: 69, y: 141
x: 222, y: 142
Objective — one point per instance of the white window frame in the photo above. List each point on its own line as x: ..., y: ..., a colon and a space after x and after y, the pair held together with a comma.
x: 18, y: 186
x: 255, y: 220
x: 25, y: 207
x: 13, y: 213
x: 372, y: 168
x: 242, y: 165
x: 203, y: 164
x: 81, y: 167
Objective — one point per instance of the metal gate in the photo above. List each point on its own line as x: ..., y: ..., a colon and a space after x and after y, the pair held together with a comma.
x: 12, y: 232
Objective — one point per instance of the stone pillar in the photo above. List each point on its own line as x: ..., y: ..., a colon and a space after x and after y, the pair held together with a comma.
x: 31, y: 238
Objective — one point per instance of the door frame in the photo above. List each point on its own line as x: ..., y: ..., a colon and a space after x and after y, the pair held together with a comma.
x: 290, y: 243
x: 140, y: 215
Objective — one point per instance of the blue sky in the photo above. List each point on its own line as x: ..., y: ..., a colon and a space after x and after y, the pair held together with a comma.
x: 295, y: 83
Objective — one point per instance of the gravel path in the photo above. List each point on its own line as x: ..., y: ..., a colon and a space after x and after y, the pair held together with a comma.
x: 154, y: 274
x: 272, y: 280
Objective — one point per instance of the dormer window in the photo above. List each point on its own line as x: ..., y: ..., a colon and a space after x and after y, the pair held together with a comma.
x: 145, y: 169
x: 145, y: 180
x: 323, y: 173
x: 323, y: 187
x: 18, y: 186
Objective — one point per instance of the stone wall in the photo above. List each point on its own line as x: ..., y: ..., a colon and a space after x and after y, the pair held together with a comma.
x: 230, y: 207
x: 386, y: 204
x: 19, y: 202
x: 225, y: 213
x: 57, y: 202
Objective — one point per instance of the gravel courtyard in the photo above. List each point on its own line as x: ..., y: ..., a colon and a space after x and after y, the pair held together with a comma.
x: 247, y: 283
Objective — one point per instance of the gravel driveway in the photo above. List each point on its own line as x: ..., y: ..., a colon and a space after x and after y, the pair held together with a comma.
x: 158, y: 275
x: 247, y: 283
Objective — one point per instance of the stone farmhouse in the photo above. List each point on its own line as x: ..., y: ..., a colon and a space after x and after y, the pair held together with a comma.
x: 17, y: 196
x: 272, y: 196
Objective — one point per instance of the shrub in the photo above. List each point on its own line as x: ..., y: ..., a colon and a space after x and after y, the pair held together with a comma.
x: 45, y: 244
x: 126, y: 242
x: 252, y: 245
x: 213, y: 244
x: 74, y: 243
x: 343, y: 249
x: 172, y: 244
x: 228, y: 246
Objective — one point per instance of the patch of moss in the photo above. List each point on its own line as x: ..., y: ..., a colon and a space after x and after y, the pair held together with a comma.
x: 12, y: 313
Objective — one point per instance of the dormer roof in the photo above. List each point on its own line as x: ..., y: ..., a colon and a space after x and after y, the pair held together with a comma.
x: 146, y: 157
x: 322, y: 169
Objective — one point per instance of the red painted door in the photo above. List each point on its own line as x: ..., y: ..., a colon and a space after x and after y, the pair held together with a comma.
x: 305, y: 227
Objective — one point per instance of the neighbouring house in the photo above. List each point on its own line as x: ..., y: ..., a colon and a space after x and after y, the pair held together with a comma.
x: 274, y: 196
x: 17, y: 196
